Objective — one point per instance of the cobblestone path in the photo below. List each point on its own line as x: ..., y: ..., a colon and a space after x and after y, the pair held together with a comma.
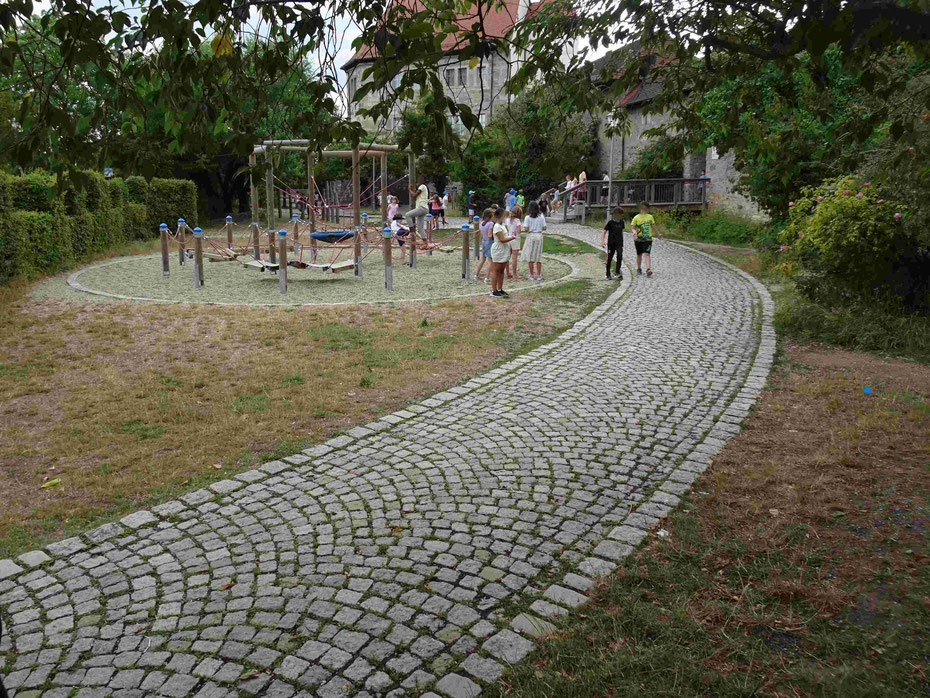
x: 412, y: 553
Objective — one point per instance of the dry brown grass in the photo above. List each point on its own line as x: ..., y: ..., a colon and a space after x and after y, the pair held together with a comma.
x: 124, y: 403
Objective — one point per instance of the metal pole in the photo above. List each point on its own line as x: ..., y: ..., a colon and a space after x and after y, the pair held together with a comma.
x: 429, y: 234
x: 386, y: 241
x: 357, y: 251
x: 165, y: 256
x: 466, y: 254
x: 282, y: 254
x: 384, y: 188
x: 229, y: 242
x: 182, y: 240
x: 356, y: 190
x: 198, y: 258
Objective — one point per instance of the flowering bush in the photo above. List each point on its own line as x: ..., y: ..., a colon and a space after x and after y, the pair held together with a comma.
x: 845, y: 238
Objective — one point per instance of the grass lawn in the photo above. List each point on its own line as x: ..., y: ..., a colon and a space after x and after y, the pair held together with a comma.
x: 125, y: 405
x: 796, y: 567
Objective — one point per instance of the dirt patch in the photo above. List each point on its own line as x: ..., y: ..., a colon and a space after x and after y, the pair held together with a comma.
x: 797, y: 566
x: 125, y: 404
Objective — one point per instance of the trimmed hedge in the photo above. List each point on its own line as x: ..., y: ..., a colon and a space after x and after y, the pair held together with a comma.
x: 170, y: 199
x: 43, y: 231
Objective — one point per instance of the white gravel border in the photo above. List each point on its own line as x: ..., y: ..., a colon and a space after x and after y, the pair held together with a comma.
x: 78, y: 286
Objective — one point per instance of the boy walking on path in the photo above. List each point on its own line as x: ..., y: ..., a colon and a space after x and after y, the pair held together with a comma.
x: 613, y: 241
x: 644, y: 228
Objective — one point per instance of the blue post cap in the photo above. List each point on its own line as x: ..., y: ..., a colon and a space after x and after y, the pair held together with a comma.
x: 386, y: 233
x: 229, y: 218
x: 294, y: 215
x: 162, y: 225
x: 429, y: 215
x: 198, y: 233
x: 364, y: 215
x: 476, y: 218
x: 282, y: 232
x: 181, y: 220
x: 465, y: 226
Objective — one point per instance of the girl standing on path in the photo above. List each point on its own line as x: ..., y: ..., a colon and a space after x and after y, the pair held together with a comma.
x: 534, y: 224
x: 516, y: 223
x: 500, y: 255
x: 486, y: 226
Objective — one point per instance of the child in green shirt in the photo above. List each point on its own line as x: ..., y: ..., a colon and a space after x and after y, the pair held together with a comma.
x: 644, y: 227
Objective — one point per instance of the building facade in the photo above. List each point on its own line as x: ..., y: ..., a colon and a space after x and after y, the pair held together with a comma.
x: 621, y: 151
x: 480, y: 87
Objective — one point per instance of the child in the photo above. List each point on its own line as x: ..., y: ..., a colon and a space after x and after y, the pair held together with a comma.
x: 444, y: 204
x: 521, y: 202
x: 612, y: 239
x: 471, y: 204
x: 644, y: 227
x: 435, y: 209
x: 534, y: 224
x: 392, y: 207
x: 516, y: 222
x: 486, y: 229
x: 500, y: 255
x: 512, y: 200
x: 400, y: 231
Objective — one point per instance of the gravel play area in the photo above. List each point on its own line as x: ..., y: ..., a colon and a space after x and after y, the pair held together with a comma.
x: 140, y: 278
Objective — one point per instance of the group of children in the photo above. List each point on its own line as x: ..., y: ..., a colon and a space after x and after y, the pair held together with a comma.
x: 643, y: 227
x: 501, y: 231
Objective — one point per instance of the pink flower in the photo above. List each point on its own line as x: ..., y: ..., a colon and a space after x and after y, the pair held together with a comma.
x: 897, y: 216
x: 859, y: 195
x: 783, y: 248
x: 881, y: 201
x: 800, y: 235
x: 819, y: 198
x: 868, y: 184
x: 790, y: 204
x: 846, y: 192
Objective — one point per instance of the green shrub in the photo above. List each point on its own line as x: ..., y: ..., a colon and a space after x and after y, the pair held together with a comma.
x: 725, y: 228
x: 33, y: 192
x: 845, y: 239
x: 137, y: 222
x: 170, y: 199
x: 117, y: 190
x: 95, y: 187
x: 40, y: 241
x: 5, y: 200
x: 137, y: 189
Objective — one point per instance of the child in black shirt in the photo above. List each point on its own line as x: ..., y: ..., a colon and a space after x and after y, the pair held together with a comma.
x: 613, y: 240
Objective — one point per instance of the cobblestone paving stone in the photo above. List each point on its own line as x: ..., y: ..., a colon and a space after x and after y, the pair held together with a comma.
x: 377, y: 564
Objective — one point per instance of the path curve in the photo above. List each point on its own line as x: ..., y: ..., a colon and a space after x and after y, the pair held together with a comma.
x: 396, y: 556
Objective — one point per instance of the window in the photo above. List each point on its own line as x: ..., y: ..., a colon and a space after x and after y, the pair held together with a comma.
x: 483, y: 119
x: 389, y: 124
x: 353, y: 86
x: 463, y: 76
x: 395, y: 82
x: 714, y: 155
x: 484, y: 77
x: 450, y: 77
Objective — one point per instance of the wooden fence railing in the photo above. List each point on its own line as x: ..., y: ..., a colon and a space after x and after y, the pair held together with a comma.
x: 628, y: 193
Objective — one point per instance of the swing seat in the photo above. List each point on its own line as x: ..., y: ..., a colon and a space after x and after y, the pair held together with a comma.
x: 261, y: 265
x: 342, y: 266
x: 333, y: 235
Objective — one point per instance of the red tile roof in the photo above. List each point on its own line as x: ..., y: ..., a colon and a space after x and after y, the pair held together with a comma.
x: 495, y: 23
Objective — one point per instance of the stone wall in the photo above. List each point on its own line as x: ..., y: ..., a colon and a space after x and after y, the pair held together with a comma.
x: 627, y: 147
x: 722, y: 191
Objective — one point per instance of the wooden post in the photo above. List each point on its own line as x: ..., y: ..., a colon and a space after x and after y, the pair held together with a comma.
x: 198, y: 258
x: 253, y: 190
x: 412, y: 241
x: 429, y: 234
x: 356, y: 190
x: 386, y: 241
x: 295, y: 219
x: 290, y: 205
x: 229, y: 242
x: 476, y: 222
x: 311, y: 192
x: 165, y: 256
x: 466, y: 254
x: 271, y: 245
x: 411, y: 175
x: 269, y: 192
x: 182, y: 241
x: 704, y: 182
x: 256, y: 241
x: 358, y: 251
x: 384, y: 188
x: 282, y: 255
